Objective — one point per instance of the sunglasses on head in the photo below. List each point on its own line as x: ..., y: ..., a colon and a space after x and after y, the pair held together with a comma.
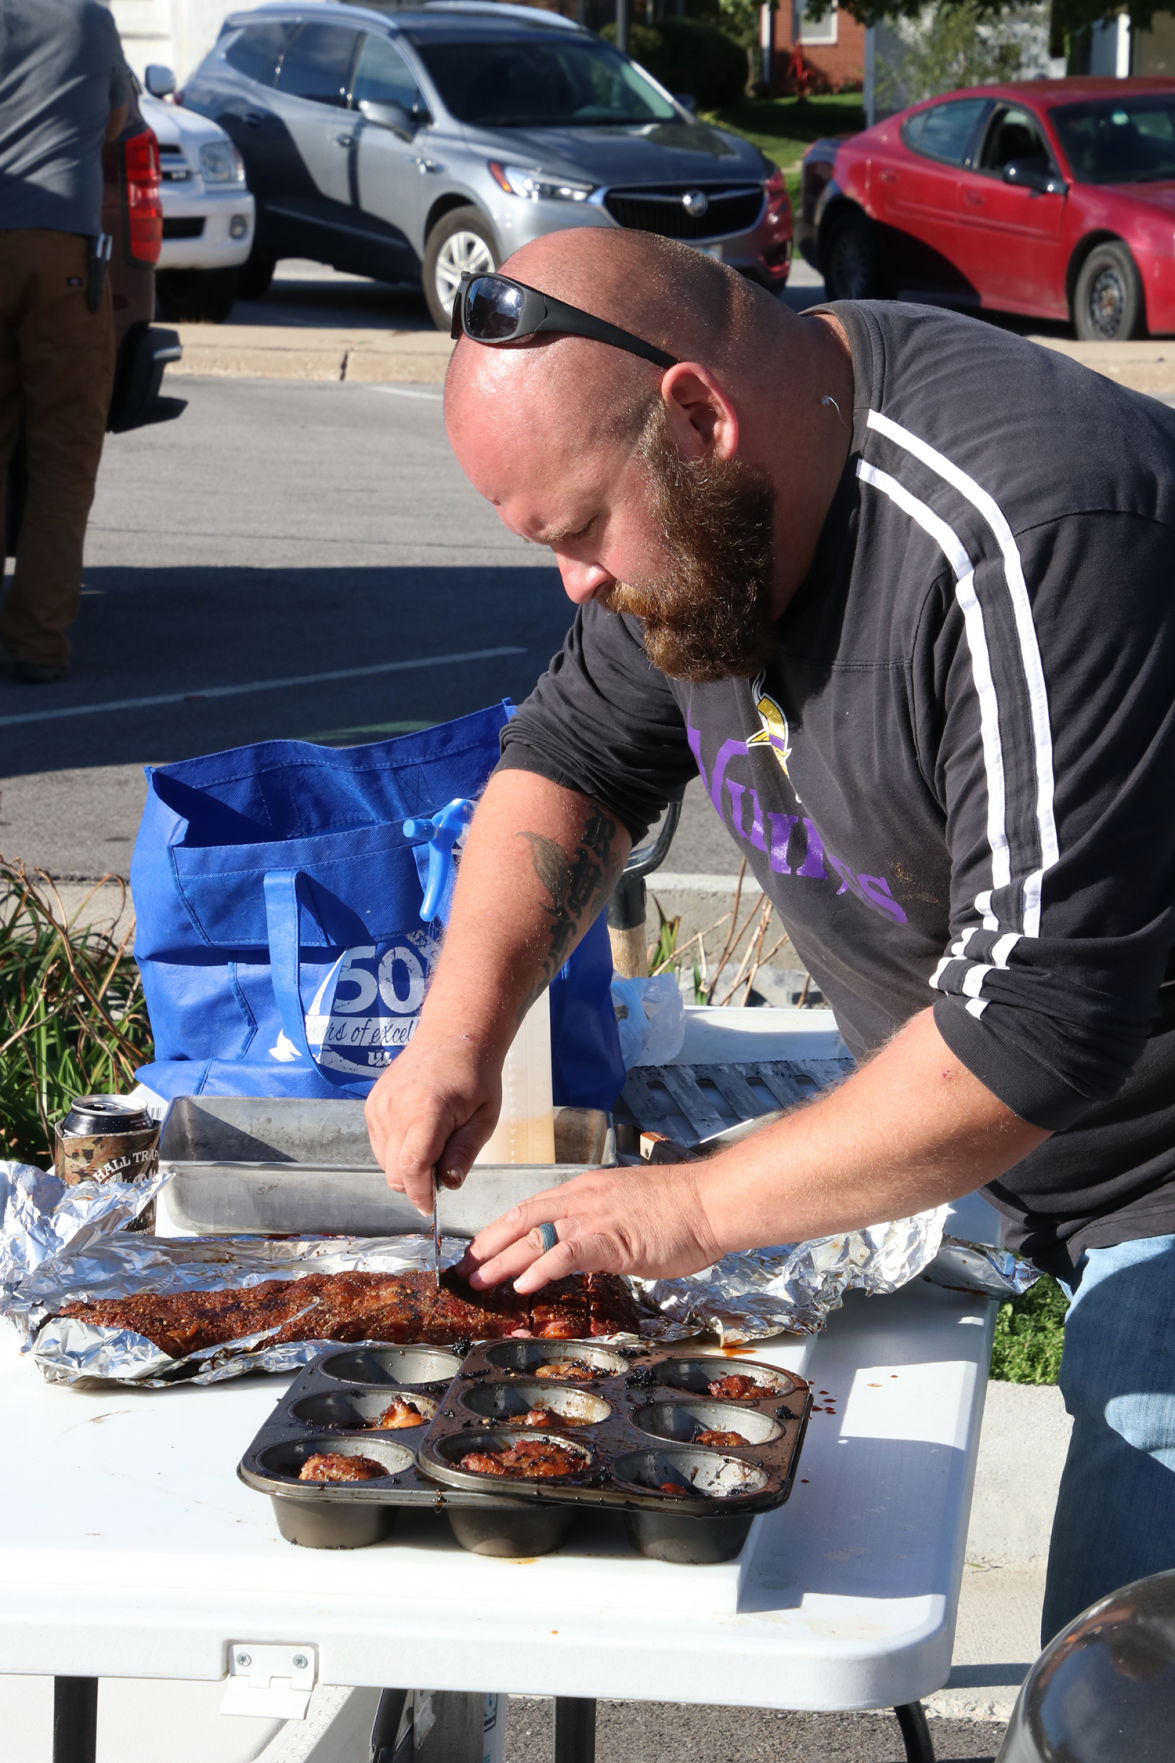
x: 496, y: 309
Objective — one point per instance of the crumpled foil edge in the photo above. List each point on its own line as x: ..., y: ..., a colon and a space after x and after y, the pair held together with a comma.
x: 978, y: 1267
x: 793, y: 1287
x: 61, y: 1244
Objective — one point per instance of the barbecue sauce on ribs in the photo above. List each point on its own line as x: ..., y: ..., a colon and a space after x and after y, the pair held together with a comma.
x: 392, y: 1307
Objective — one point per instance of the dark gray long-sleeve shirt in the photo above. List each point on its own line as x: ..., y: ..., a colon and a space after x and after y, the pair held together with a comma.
x: 955, y: 777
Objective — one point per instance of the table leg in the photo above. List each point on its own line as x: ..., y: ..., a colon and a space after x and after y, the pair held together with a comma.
x: 386, y: 1726
x: 575, y: 1730
x: 915, y: 1733
x: 75, y: 1719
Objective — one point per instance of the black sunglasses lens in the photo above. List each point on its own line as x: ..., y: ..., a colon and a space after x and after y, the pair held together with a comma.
x: 493, y: 309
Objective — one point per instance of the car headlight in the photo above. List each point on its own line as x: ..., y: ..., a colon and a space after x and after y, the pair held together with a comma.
x: 220, y: 163
x: 534, y: 185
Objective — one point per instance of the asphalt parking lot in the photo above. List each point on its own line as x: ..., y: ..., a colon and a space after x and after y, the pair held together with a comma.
x: 285, y: 559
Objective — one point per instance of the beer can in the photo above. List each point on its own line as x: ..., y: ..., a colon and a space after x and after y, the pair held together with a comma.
x: 105, y: 1140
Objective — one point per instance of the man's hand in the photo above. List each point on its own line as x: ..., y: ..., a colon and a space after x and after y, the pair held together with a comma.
x: 434, y: 1107
x: 650, y: 1220
x: 911, y: 1129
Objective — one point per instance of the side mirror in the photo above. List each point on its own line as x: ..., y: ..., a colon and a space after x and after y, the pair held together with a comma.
x: 1023, y: 174
x: 388, y: 116
x: 159, y: 80
x: 687, y: 102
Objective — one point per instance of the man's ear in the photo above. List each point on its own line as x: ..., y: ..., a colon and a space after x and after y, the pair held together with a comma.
x: 701, y: 418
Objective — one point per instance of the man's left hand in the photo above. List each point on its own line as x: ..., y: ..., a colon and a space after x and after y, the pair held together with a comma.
x: 650, y: 1221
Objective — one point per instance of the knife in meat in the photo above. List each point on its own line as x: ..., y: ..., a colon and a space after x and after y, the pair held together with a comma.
x: 436, y: 1233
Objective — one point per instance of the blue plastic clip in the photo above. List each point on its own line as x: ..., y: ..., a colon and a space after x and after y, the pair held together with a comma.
x: 442, y: 830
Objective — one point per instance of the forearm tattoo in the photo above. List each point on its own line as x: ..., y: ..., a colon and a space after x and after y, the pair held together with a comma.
x: 577, y: 885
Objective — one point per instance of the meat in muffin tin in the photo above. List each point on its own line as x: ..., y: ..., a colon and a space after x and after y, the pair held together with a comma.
x: 519, y: 1436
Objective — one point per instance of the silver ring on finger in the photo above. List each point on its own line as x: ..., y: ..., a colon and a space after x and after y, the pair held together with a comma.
x: 548, y: 1236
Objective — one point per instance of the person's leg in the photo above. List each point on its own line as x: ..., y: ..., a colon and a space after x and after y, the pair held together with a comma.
x: 66, y: 357
x: 1115, y: 1516
x: 11, y: 275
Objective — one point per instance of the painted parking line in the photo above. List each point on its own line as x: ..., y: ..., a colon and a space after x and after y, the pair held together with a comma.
x: 401, y: 392
x: 258, y: 685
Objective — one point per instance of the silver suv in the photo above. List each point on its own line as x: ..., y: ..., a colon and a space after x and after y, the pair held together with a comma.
x: 426, y: 143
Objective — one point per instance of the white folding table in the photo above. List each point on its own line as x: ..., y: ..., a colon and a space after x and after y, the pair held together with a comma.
x: 129, y: 1548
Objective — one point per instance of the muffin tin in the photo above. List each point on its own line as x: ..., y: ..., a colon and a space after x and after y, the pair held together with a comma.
x: 630, y: 1416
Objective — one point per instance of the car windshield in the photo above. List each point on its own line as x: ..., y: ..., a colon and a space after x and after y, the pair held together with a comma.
x: 527, y: 84
x: 1115, y: 140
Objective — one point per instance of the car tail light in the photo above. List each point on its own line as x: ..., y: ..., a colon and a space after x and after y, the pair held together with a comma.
x: 144, y: 201
x: 777, y: 250
x: 775, y: 190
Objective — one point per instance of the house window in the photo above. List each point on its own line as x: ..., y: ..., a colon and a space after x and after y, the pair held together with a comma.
x: 813, y: 30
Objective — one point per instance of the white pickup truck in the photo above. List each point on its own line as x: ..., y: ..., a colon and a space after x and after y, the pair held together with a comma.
x: 208, y: 213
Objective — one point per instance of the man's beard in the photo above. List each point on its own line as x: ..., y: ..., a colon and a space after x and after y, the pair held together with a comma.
x: 710, y: 616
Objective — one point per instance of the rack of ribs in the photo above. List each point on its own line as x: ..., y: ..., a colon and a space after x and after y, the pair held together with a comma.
x: 392, y: 1307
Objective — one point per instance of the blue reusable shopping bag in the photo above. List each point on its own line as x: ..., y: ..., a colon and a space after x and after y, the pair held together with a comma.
x: 279, y: 936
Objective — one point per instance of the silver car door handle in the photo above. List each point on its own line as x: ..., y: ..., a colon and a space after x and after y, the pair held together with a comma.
x: 344, y: 140
x: 425, y: 164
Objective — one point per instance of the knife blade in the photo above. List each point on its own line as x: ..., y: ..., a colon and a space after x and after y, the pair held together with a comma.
x: 436, y: 1234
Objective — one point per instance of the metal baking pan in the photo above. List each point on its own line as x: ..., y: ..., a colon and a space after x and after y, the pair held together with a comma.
x: 630, y: 1415
x: 330, y: 1407
x: 299, y: 1167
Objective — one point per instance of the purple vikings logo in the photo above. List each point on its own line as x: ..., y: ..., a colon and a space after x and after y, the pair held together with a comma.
x: 792, y: 844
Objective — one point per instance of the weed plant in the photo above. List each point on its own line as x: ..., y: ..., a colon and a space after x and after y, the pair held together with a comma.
x: 712, y: 984
x: 1029, y: 1334
x: 72, y: 1017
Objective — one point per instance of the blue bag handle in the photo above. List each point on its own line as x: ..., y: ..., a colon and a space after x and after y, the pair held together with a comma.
x: 284, y: 901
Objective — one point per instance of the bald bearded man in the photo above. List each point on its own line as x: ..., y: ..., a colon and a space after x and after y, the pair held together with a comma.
x: 898, y: 587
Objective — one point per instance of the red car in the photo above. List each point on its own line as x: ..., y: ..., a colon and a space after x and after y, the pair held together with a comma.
x: 1053, y: 198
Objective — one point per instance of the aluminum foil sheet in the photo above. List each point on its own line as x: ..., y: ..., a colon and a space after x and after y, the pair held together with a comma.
x: 975, y: 1267
x: 59, y: 1245
x: 795, y: 1286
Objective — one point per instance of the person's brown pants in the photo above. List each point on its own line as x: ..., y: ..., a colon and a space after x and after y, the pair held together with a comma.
x: 56, y: 374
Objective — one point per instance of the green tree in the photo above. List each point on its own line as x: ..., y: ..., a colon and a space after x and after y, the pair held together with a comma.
x: 962, y: 44
x: 1068, y: 18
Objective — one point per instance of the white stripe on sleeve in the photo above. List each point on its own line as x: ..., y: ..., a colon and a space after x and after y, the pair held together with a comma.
x: 1029, y: 650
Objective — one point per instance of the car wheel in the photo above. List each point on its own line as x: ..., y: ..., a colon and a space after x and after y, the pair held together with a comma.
x: 254, y: 277
x: 460, y: 244
x: 1107, y: 301
x: 195, y: 296
x: 848, y: 257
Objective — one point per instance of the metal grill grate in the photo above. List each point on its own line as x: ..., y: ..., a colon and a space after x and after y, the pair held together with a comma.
x: 730, y: 210
x: 691, y: 1102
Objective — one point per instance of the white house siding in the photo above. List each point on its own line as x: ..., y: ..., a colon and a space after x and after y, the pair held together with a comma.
x: 178, y: 33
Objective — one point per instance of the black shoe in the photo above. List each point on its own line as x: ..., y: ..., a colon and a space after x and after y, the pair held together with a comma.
x: 36, y: 673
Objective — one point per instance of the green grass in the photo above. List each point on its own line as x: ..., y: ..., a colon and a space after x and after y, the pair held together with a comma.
x: 783, y: 127
x: 1029, y: 1334
x: 72, y: 1017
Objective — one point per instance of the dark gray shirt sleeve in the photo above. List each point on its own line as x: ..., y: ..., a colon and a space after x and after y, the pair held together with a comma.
x: 1053, y: 979
x: 604, y: 722
x: 120, y: 73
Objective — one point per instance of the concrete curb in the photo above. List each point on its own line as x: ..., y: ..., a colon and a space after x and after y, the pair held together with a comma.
x: 295, y: 352
x: 421, y: 357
